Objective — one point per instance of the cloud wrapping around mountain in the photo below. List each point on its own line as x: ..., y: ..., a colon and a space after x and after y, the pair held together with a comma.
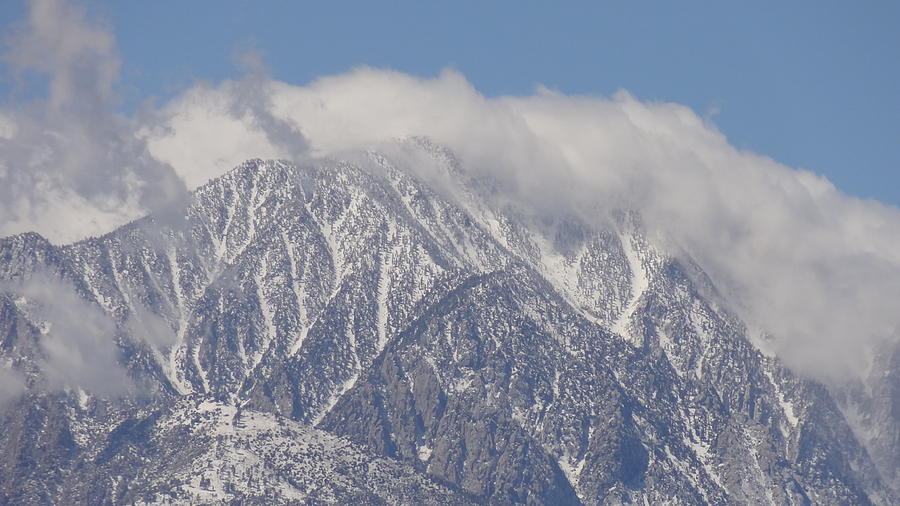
x: 77, y: 337
x: 11, y: 385
x: 816, y: 270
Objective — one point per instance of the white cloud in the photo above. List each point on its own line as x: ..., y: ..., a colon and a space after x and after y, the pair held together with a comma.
x: 817, y: 269
x: 57, y: 40
x: 7, y: 127
x: 151, y: 328
x: 11, y: 385
x: 202, y: 137
x: 77, y: 340
x: 70, y: 152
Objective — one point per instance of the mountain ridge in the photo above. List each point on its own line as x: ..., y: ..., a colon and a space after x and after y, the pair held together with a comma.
x: 368, y: 305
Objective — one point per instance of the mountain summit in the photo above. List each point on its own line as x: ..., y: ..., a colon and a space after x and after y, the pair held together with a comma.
x: 350, y: 331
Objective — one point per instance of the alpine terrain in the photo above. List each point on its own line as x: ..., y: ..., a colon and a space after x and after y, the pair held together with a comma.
x: 350, y: 331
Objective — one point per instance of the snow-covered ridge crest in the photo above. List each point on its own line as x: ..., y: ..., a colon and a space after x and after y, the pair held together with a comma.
x: 421, y: 324
x: 807, y: 263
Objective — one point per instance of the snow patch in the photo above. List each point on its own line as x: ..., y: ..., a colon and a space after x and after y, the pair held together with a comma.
x: 787, y: 407
x: 170, y: 369
x: 300, y: 295
x: 384, y: 283
x: 347, y: 384
x: 83, y: 399
x: 269, y: 332
x: 640, y: 282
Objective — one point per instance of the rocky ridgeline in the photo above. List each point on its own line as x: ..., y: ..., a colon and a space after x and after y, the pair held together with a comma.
x: 339, y: 334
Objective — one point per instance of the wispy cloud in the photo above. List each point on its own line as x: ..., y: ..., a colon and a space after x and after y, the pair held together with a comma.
x: 77, y: 338
x: 11, y: 385
x: 71, y: 165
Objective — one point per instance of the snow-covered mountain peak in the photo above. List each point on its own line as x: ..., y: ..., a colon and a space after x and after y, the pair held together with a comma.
x: 347, y: 331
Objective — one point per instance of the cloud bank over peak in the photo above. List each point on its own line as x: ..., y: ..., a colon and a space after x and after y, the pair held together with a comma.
x: 818, y: 270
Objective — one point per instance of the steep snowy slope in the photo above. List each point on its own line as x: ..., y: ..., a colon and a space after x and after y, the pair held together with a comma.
x: 312, y: 333
x: 209, y: 453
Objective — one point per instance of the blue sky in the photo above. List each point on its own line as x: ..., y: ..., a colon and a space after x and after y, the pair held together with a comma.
x: 814, y: 85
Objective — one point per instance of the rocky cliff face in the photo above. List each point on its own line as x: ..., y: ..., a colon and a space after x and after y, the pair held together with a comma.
x: 338, y: 334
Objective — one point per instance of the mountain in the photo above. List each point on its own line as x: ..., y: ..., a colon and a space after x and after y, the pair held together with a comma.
x: 352, y: 331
